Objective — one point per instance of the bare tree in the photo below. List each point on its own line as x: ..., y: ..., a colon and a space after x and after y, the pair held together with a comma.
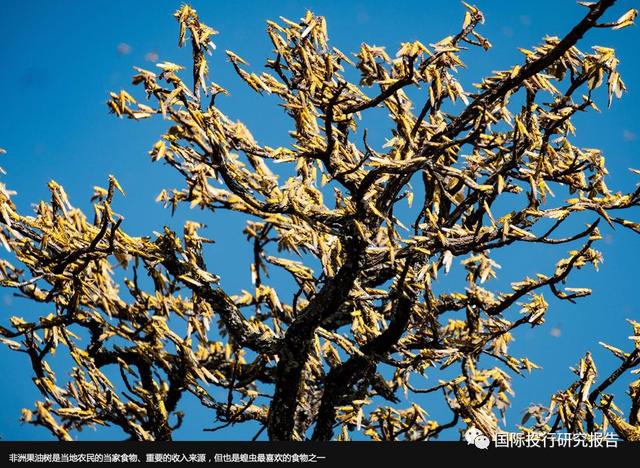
x: 365, y: 317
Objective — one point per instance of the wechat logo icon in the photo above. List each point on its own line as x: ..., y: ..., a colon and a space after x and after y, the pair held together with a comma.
x: 477, y: 438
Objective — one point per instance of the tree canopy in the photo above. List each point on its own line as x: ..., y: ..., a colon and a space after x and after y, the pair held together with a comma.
x: 365, y: 234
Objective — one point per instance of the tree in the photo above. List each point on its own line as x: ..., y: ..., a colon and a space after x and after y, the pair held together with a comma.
x: 365, y: 316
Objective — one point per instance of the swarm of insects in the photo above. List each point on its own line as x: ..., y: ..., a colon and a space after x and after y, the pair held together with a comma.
x: 345, y: 351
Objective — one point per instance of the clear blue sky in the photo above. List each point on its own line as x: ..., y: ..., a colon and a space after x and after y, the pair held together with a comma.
x: 60, y: 59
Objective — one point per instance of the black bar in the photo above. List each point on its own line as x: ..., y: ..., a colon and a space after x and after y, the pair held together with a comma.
x: 231, y: 454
